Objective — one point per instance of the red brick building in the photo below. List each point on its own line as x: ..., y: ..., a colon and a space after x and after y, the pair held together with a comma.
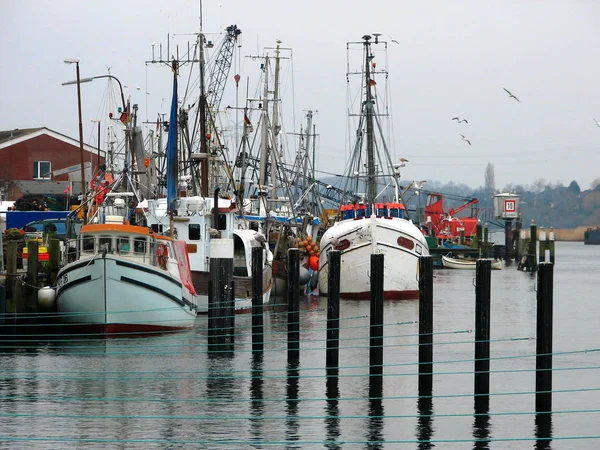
x: 32, y: 154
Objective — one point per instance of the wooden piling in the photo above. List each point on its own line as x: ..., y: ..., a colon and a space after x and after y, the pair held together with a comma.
x: 425, y: 326
x: 257, y: 300
x: 54, y: 261
x: 508, y: 240
x: 482, y: 334
x: 543, y: 373
x: 333, y: 313
x: 221, y: 311
x: 484, y: 250
x: 551, y: 242
x: 11, y: 269
x: 533, y: 257
x: 293, y: 293
x: 376, y: 341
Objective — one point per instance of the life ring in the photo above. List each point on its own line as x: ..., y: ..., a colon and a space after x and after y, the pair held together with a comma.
x: 162, y: 255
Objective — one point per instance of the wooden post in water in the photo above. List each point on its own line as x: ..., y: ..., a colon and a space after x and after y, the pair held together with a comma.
x: 551, y: 244
x: 54, y: 261
x: 519, y: 239
x: 221, y: 314
x: 425, y: 326
x: 376, y: 342
x: 333, y: 313
x: 482, y: 334
x: 11, y: 269
x: 508, y: 240
x: 543, y: 362
x: 543, y: 242
x: 479, y: 234
x: 293, y: 293
x: 484, y: 252
x: 257, y: 300
x: 30, y: 299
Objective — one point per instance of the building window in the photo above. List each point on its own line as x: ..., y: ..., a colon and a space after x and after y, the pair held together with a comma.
x: 41, y: 170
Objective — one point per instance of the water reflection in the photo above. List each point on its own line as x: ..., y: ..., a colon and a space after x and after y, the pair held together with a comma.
x: 543, y: 431
x: 375, y: 422
x: 257, y: 405
x: 332, y: 411
x: 481, y: 426
x: 292, y: 423
x: 425, y: 423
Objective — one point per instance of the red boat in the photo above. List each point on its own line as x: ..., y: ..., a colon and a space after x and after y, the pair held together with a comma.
x: 448, y: 226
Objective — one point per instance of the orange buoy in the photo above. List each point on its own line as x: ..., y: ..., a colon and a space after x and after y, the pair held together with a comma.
x: 313, y: 262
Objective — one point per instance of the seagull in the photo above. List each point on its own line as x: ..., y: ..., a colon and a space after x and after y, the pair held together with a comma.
x: 465, y: 139
x: 596, y: 122
x: 214, y: 233
x: 460, y: 120
x: 394, y: 40
x: 511, y: 96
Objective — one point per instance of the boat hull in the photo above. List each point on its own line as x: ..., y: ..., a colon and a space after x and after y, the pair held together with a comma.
x: 242, y: 286
x: 368, y: 236
x: 112, y: 295
x: 467, y: 264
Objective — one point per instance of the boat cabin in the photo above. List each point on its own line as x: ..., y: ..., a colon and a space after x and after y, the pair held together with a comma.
x: 386, y: 210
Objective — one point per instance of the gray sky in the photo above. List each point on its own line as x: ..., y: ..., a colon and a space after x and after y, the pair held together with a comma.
x: 453, y: 59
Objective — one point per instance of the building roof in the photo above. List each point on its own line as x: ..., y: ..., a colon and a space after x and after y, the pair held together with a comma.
x: 12, y: 137
x: 16, y: 133
x: 48, y: 187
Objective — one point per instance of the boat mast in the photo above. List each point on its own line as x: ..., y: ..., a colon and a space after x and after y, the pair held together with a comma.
x: 371, y: 185
x: 202, y: 106
x: 276, y: 126
x: 262, y: 182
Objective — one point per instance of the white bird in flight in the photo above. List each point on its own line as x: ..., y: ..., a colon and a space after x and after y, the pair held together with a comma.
x: 460, y: 120
x: 465, y: 139
x: 511, y: 96
x: 596, y: 122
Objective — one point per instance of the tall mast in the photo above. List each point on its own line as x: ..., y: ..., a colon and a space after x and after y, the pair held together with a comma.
x: 276, y: 126
x: 262, y: 182
x: 371, y: 185
x: 202, y: 106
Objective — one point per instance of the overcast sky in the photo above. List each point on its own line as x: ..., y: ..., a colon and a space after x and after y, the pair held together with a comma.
x: 453, y: 58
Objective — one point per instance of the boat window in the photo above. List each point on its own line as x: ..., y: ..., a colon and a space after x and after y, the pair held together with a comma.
x: 87, y: 244
x: 157, y: 227
x: 194, y: 232
x: 139, y: 245
x: 123, y: 244
x: 222, y: 222
x: 105, y: 243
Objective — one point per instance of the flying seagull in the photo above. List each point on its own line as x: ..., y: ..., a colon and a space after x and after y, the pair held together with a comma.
x: 596, y: 122
x: 511, y: 96
x: 460, y: 120
x: 394, y: 40
x: 465, y: 139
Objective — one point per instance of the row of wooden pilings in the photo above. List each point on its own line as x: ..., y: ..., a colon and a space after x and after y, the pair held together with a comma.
x: 222, y: 314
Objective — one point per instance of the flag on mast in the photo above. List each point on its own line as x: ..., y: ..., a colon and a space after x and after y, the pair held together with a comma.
x: 171, y: 175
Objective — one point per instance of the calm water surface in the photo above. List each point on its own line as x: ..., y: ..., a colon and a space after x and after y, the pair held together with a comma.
x: 168, y: 392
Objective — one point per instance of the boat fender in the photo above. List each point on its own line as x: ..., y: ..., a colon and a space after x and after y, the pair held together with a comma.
x: 46, y: 296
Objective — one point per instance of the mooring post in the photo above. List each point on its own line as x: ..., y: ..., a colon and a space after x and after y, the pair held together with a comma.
x: 376, y: 343
x: 519, y: 238
x: 462, y: 236
x: 508, y: 240
x: 543, y: 242
x: 333, y: 313
x: 482, y: 333
x: 479, y: 234
x: 293, y: 293
x: 484, y: 252
x: 533, y: 247
x: 220, y: 308
x: 54, y: 260
x: 11, y: 269
x: 257, y: 300
x: 543, y: 362
x: 425, y: 326
x: 551, y: 244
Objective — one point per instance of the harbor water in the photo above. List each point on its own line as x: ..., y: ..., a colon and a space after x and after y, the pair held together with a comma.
x: 61, y: 391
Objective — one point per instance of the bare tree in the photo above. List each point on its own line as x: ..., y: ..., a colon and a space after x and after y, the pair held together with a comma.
x: 490, y: 180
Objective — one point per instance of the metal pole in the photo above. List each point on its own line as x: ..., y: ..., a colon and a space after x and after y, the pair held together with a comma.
x: 98, y: 145
x: 81, y: 144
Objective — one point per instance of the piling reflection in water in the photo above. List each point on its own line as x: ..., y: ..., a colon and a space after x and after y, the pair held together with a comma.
x: 257, y: 405
x: 481, y: 427
x: 292, y: 423
x: 375, y: 420
x: 424, y: 423
x: 543, y: 431
x: 332, y: 411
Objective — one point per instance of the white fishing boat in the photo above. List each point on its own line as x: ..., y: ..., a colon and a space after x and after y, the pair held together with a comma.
x: 468, y: 264
x: 373, y: 224
x: 123, y: 278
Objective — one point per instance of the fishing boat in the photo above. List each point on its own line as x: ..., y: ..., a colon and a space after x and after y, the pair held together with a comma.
x: 467, y: 263
x: 198, y: 219
x: 378, y: 222
x: 123, y: 278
